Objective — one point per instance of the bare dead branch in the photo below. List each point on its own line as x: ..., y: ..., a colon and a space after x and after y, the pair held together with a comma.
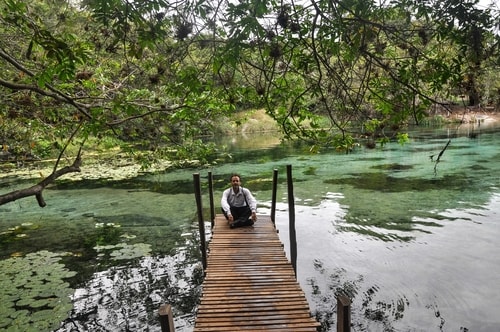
x: 436, y: 162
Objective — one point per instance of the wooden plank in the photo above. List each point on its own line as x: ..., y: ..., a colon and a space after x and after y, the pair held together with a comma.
x: 221, y: 292
x: 249, y: 299
x: 249, y: 283
x: 251, y: 326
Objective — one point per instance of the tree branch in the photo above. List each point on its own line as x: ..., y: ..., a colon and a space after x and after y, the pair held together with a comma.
x: 37, y: 189
x: 55, y: 94
x: 439, y: 156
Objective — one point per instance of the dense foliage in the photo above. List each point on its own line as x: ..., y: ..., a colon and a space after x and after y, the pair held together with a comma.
x: 159, y: 74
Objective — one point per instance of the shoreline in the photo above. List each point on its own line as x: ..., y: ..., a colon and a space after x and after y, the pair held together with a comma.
x: 466, y: 115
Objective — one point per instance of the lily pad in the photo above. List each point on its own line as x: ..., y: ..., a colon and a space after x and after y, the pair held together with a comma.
x: 6, y: 312
x: 24, y: 302
x: 5, y: 321
x: 20, y: 313
x: 40, y: 303
x: 41, y: 316
x: 131, y: 251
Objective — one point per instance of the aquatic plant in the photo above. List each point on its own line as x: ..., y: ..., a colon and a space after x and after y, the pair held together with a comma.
x: 124, y: 251
x: 16, y: 232
x: 33, y: 292
x: 108, y: 233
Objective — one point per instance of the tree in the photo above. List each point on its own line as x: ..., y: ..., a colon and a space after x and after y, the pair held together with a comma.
x: 158, y: 74
x: 469, y: 28
x: 381, y: 64
x: 132, y: 72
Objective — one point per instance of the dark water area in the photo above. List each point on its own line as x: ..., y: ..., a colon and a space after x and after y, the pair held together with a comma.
x: 412, y: 242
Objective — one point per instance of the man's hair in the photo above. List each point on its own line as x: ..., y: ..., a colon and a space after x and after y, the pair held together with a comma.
x: 233, y: 175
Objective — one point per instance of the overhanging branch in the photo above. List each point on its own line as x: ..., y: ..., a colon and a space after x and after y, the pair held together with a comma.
x: 52, y: 93
x: 37, y: 189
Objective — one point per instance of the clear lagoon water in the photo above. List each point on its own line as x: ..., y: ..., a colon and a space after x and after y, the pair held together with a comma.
x: 413, y: 243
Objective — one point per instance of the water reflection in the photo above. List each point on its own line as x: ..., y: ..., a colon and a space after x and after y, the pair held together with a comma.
x: 127, y: 297
x: 381, y: 200
x: 444, y: 280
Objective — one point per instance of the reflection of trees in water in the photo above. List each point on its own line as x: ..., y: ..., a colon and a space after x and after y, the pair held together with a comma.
x: 390, y: 207
x: 367, y: 313
x: 127, y: 298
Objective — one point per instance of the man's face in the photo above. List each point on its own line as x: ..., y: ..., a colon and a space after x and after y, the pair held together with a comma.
x: 235, y: 181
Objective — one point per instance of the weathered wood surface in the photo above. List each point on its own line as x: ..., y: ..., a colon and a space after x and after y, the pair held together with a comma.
x: 250, y: 284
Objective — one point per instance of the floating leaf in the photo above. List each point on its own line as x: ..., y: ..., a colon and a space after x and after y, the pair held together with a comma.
x: 127, y: 236
x: 6, y: 312
x: 40, y: 303
x: 20, y: 313
x: 24, y: 302
x: 131, y: 251
x: 4, y: 321
x: 21, y: 321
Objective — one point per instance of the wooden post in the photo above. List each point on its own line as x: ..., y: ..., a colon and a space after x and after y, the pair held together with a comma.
x: 166, y: 318
x: 273, y: 200
x: 291, y: 215
x: 201, y: 222
x: 211, y: 193
x: 343, y: 314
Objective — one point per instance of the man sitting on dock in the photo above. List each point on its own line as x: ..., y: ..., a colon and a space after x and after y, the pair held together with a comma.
x: 238, y: 204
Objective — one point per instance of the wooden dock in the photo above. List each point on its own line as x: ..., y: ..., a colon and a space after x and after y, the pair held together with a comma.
x: 250, y: 285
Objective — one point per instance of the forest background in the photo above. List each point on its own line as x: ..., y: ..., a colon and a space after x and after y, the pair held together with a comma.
x: 153, y: 79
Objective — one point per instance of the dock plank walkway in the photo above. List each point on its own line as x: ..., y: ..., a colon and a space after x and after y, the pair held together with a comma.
x: 250, y: 285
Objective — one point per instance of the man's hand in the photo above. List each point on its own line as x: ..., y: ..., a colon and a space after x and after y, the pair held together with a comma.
x: 254, y: 216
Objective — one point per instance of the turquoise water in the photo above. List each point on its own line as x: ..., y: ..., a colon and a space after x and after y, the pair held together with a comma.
x: 414, y: 244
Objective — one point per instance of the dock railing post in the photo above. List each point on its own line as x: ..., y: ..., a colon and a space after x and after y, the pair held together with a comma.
x: 166, y: 318
x: 343, y: 314
x: 273, y: 200
x: 291, y: 215
x: 201, y: 222
x: 211, y: 193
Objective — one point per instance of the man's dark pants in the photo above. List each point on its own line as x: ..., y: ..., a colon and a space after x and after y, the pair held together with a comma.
x: 241, y: 215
